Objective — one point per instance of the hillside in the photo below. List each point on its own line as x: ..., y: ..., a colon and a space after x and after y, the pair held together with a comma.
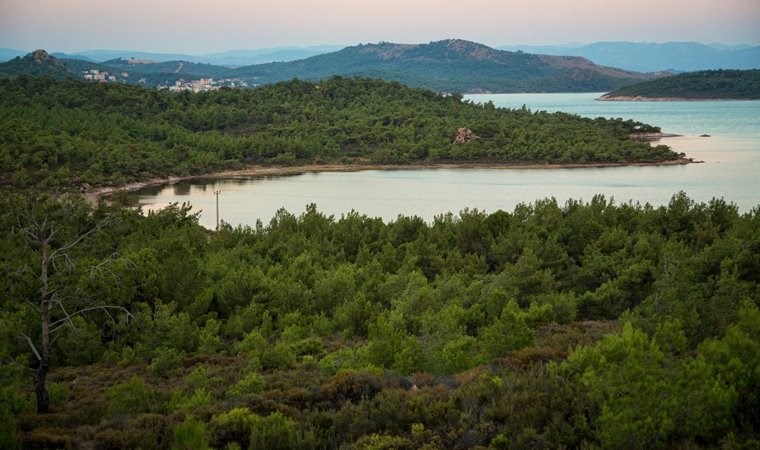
x: 704, y: 85
x: 451, y: 66
x: 63, y: 134
x: 38, y: 63
x: 42, y: 64
x: 655, y: 57
x: 578, y: 326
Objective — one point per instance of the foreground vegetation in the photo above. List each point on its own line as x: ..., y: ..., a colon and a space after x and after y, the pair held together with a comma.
x: 703, y: 85
x: 64, y: 134
x: 589, y: 325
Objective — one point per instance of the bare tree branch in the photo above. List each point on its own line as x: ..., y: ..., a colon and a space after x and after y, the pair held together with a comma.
x: 79, y: 239
x: 31, y: 345
x: 58, y: 324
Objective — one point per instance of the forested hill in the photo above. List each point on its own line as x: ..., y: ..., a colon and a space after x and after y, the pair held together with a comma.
x: 59, y: 134
x: 453, y: 66
x: 704, y: 85
x: 40, y: 63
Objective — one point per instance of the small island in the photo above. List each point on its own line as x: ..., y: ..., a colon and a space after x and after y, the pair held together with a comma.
x: 703, y: 85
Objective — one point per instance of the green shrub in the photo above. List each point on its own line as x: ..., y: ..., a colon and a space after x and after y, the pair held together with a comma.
x: 200, y: 378
x: 252, y: 383
x: 274, y: 432
x: 232, y: 427
x: 209, y: 340
x: 190, y: 435
x: 279, y: 357
x: 130, y: 397
x: 8, y: 437
x: 383, y: 442
x: 57, y: 393
x: 191, y: 404
x: 166, y: 361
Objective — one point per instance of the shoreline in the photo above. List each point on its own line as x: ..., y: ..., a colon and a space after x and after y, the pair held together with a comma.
x: 641, y: 98
x: 93, y: 195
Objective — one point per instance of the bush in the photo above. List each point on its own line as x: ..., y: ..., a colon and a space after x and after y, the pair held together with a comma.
x: 8, y: 438
x: 189, y: 404
x: 233, y: 426
x: 58, y: 393
x: 166, y: 361
x: 190, y: 435
x: 253, y: 383
x: 273, y: 432
x: 130, y: 397
x: 209, y: 340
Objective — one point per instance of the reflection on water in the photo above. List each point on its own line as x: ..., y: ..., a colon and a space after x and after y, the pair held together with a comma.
x: 730, y: 170
x: 182, y: 188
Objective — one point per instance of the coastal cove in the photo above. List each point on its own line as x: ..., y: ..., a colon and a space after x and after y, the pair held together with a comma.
x: 731, y: 156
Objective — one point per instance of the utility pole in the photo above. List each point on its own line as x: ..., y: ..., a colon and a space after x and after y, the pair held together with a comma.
x: 217, y: 208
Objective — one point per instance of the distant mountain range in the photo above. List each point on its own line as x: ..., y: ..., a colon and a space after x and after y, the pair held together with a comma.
x: 443, y: 66
x: 634, y: 56
x: 647, y: 57
x: 231, y: 58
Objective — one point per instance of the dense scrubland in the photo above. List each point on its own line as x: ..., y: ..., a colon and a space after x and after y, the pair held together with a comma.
x: 594, y: 325
x: 63, y: 134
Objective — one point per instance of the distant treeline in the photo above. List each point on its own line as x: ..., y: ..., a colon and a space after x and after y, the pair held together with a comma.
x: 708, y: 84
x: 59, y: 134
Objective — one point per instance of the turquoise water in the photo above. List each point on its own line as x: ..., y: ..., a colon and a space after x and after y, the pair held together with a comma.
x: 721, y: 118
x: 731, y: 170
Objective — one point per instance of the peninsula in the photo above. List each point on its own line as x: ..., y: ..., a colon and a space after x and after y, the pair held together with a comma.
x: 68, y: 134
x: 703, y: 85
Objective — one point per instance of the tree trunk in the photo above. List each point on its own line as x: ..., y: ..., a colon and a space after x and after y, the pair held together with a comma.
x: 40, y: 375
x: 40, y: 388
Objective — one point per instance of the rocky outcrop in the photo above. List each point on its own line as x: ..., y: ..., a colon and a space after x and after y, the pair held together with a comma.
x: 464, y: 136
x: 42, y: 57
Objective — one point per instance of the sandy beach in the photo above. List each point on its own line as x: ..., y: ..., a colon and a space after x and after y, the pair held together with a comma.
x: 92, y: 195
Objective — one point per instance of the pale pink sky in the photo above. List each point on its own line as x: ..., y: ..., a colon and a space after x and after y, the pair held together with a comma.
x: 195, y: 27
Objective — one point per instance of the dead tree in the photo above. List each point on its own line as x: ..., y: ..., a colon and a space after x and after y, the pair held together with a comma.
x: 43, y: 231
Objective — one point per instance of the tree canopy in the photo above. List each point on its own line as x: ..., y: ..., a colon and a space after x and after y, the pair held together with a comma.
x: 578, y: 325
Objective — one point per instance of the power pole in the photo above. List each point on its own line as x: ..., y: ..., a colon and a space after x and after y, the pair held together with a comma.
x: 217, y: 208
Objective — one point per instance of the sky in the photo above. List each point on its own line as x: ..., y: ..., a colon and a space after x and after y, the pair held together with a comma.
x: 198, y: 27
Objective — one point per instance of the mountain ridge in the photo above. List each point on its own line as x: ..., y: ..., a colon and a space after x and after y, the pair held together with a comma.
x: 655, y: 57
x: 452, y: 65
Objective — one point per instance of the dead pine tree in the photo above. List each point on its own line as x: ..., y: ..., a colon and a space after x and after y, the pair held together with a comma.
x: 52, y: 229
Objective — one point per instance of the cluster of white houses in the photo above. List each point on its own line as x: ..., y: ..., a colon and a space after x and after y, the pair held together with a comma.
x: 102, y: 76
x: 201, y: 85
x: 204, y: 84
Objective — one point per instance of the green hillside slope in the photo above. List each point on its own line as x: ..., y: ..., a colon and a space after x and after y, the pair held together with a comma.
x: 704, y: 85
x: 63, y: 133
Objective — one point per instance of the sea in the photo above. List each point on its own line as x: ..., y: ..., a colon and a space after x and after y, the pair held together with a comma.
x: 725, y: 135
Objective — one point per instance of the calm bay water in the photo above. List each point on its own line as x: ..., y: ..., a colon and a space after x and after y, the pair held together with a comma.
x: 731, y: 170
